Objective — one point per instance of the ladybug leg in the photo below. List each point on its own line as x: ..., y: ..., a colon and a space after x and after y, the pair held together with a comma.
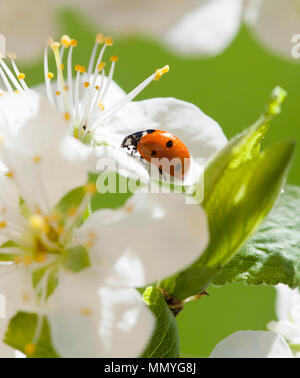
x: 162, y: 175
x: 133, y: 151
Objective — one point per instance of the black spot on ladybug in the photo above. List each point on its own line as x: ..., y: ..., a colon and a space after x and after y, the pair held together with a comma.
x: 153, y: 153
x: 84, y: 127
x: 170, y: 144
x: 150, y: 131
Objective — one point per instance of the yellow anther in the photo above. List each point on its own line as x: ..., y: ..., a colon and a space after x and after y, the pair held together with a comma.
x: 37, y: 222
x: 3, y: 225
x: 16, y: 91
x: 25, y: 297
x: 86, y: 311
x: 67, y: 117
x: 58, y: 93
x: 10, y: 174
x: 129, y: 209
x: 60, y: 230
x: 92, y: 235
x: 54, y: 45
x: 73, y: 43
x: 30, y: 349
x: 21, y: 76
x: 101, y: 106
x: 97, y: 87
x: 65, y: 41
x: 55, y: 217
x: 17, y: 260
x: 89, y: 244
x: 73, y: 211
x: 41, y: 257
x: 100, y: 38
x: 37, y: 159
x: 80, y: 68
x: 62, y: 66
x: 161, y: 72
x: 27, y: 260
x: 101, y: 66
x: 114, y: 58
x: 109, y: 41
x: 66, y: 88
x: 50, y: 75
x: 91, y: 188
x: 165, y: 69
x: 86, y: 84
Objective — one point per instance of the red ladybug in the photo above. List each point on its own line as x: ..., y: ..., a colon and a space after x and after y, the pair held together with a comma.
x: 161, y: 148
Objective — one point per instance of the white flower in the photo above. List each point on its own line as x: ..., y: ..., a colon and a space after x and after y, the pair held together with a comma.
x: 212, y: 26
x: 252, y: 344
x: 288, y: 314
x: 189, y: 27
x: 44, y: 162
x: 100, y: 113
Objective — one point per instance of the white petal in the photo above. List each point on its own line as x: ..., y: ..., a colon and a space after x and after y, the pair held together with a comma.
x: 252, y: 344
x: 26, y: 118
x: 15, y: 295
x: 114, y: 159
x: 88, y: 319
x: 201, y: 134
x: 274, y: 22
x: 33, y: 129
x: 287, y: 329
x: 159, y: 232
x: 134, y: 16
x: 208, y: 29
x: 9, y: 210
x: 285, y: 300
x: 295, y: 314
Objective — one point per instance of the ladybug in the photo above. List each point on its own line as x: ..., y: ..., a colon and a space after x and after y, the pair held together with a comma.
x: 162, y: 149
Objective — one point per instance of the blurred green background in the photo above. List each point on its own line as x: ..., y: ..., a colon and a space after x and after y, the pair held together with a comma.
x: 233, y: 89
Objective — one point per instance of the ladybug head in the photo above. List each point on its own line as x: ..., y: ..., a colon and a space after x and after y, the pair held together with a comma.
x: 132, y: 140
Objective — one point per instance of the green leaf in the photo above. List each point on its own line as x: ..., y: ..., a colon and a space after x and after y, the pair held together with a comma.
x: 165, y: 340
x: 241, y: 187
x: 272, y: 255
x: 21, y: 332
x: 111, y: 200
x: 76, y: 259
